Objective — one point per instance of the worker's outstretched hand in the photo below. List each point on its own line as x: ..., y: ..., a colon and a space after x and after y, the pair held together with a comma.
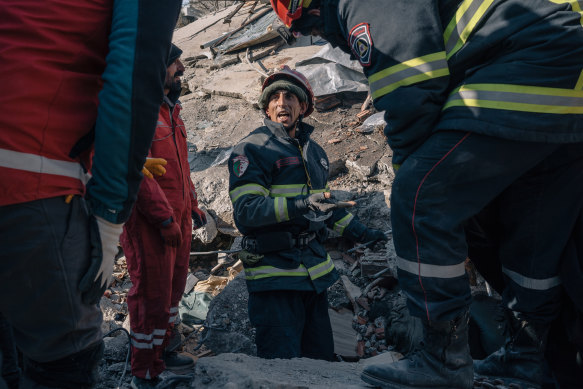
x: 198, y: 217
x: 317, y: 202
x: 171, y: 234
x: 104, y: 240
x: 154, y: 167
x: 372, y: 236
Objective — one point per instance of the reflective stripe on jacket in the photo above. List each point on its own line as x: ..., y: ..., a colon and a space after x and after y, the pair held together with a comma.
x: 267, y: 170
x: 58, y: 88
x: 505, y: 68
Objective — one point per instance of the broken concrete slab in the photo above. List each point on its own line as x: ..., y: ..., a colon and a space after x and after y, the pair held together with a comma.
x: 344, y: 334
x: 244, y: 82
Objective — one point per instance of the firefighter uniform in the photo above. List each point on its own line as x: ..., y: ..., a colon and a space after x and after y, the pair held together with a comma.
x: 158, y: 271
x: 477, y: 94
x: 268, y: 169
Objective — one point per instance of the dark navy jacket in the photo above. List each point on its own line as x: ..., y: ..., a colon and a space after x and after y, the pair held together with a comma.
x: 267, y: 170
x: 505, y: 68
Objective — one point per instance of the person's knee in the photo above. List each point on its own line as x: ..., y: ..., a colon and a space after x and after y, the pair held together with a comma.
x: 76, y: 371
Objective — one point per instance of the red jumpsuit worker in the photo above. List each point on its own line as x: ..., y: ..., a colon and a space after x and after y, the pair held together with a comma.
x: 156, y: 241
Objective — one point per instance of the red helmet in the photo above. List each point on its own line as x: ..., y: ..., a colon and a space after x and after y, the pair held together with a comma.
x: 298, y: 79
x: 289, y: 10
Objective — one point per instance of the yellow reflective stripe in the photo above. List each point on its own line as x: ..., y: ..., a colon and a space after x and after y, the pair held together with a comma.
x: 579, y: 84
x: 257, y: 273
x: 520, y: 98
x: 407, y: 73
x: 280, y: 205
x: 341, y: 224
x: 255, y: 189
x: 291, y: 190
x: 320, y: 190
x: 321, y: 269
x: 463, y: 24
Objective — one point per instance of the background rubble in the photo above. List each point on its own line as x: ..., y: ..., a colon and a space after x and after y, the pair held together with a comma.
x: 220, y: 91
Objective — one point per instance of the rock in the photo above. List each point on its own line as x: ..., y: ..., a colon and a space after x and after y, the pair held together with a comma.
x: 243, y: 371
x: 228, y: 320
x: 208, y: 232
x: 116, y: 348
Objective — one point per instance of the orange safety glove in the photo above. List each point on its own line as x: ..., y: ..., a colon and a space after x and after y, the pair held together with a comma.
x: 171, y: 233
x: 154, y: 167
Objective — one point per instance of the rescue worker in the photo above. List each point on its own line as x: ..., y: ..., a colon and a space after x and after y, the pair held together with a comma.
x: 278, y: 175
x: 482, y: 100
x: 81, y: 84
x: 156, y: 242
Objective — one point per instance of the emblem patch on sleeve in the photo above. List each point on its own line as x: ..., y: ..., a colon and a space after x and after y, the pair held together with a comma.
x: 240, y: 164
x: 361, y: 43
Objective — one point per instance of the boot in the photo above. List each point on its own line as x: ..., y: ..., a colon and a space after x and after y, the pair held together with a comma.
x: 521, y: 360
x: 142, y: 383
x: 177, y: 362
x: 443, y: 362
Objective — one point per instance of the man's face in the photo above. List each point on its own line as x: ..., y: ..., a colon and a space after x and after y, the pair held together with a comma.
x: 284, y: 107
x: 173, y: 74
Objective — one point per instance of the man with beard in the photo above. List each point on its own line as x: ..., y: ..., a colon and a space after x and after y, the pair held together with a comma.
x: 278, y: 182
x: 156, y: 241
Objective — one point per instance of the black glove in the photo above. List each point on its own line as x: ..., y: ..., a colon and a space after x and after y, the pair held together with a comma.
x: 198, y: 217
x: 371, y: 236
x: 104, y: 238
x: 316, y: 202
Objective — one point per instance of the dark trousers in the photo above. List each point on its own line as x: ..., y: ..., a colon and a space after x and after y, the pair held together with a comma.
x: 9, y: 358
x: 451, y: 178
x: 45, y: 252
x: 291, y: 324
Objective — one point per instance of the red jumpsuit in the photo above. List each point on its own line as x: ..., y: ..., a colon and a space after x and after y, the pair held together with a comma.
x: 158, y: 271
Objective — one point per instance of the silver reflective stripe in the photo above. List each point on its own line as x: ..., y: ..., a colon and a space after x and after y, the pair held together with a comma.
x: 408, y: 73
x: 532, y: 283
x: 280, y: 205
x: 466, y: 18
x: 174, y: 310
x: 271, y: 271
x: 147, y: 345
x: 435, y: 271
x: 141, y: 345
x: 341, y: 224
x: 172, y: 318
x: 39, y: 164
x: 157, y: 332
x: 321, y: 269
x: 248, y: 189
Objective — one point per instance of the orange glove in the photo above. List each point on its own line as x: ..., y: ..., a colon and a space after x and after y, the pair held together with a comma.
x: 154, y: 167
x: 171, y: 234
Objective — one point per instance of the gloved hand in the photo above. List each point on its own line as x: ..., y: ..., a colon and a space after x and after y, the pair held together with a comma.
x: 104, y: 237
x: 154, y: 167
x: 198, y: 217
x: 171, y: 234
x: 371, y: 235
x: 317, y: 202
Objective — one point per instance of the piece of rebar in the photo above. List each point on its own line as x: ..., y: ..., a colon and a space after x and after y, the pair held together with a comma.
x: 215, y: 252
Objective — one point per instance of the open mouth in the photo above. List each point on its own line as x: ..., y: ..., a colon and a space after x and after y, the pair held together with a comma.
x: 283, y: 115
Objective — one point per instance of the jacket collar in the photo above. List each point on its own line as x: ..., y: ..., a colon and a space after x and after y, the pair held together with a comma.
x: 277, y: 129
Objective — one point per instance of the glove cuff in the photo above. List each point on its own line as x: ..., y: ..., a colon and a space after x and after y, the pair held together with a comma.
x: 297, y: 206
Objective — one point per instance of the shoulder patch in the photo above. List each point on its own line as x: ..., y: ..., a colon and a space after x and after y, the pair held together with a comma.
x: 324, y: 163
x: 360, y: 43
x: 240, y: 164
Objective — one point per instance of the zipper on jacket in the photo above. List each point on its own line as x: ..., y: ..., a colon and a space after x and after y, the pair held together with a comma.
x: 309, y: 183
